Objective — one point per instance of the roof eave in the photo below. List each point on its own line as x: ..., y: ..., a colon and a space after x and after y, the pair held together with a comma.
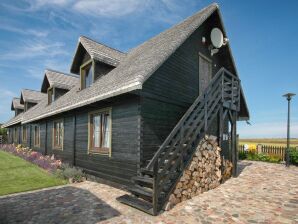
x: 73, y: 67
x: 125, y: 89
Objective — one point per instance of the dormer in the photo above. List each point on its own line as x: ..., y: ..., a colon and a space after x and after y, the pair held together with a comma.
x: 56, y: 84
x: 16, y: 106
x: 30, y: 98
x: 93, y: 60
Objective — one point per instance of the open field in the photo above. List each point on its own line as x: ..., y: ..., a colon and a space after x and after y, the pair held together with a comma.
x: 269, y: 141
x: 18, y: 175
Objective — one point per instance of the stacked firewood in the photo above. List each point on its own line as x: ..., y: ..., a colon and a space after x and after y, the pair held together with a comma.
x: 203, y: 173
x: 227, y: 167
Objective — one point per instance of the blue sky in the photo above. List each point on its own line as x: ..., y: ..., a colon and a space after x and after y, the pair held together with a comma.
x: 39, y: 34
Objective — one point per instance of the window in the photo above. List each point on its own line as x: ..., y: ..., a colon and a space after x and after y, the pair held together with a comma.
x: 28, y: 105
x: 86, y: 75
x: 36, y: 135
x: 51, y: 95
x: 100, y: 132
x: 24, y: 133
x: 15, y: 136
x: 58, y: 132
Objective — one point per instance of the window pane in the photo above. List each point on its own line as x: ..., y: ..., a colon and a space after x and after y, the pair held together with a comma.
x: 58, y: 134
x: 36, y: 135
x: 88, y: 76
x: 100, y: 132
x: 52, y: 96
x: 61, y: 134
x: 96, y: 130
x: 106, y: 131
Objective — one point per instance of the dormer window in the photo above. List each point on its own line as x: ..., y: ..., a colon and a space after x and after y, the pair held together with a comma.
x: 51, y: 95
x: 28, y: 105
x: 86, y: 74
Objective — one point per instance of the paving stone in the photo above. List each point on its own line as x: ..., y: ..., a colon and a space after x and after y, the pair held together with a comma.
x: 262, y: 193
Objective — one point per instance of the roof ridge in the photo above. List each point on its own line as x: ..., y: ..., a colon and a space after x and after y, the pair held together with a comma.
x: 214, y: 4
x: 137, y: 67
x: 31, y: 90
x: 63, y: 73
x: 208, y: 10
x: 97, y: 42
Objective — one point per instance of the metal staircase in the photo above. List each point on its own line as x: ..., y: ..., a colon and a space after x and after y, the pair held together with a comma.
x: 156, y: 181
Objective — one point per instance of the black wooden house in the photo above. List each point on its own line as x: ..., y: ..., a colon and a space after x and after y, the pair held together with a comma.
x: 124, y: 116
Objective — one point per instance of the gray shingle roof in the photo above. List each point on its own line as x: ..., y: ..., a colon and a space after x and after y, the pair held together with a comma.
x: 99, y: 52
x: 59, y: 80
x: 16, y: 104
x: 15, y: 120
x: 131, y: 73
x: 31, y: 96
x: 41, y: 99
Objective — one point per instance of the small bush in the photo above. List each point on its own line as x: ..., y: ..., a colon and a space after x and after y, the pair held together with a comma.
x: 263, y: 157
x: 242, y: 155
x: 294, y: 156
x: 73, y: 174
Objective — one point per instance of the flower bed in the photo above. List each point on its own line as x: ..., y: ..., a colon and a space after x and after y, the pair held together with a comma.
x: 49, y: 163
x: 46, y: 162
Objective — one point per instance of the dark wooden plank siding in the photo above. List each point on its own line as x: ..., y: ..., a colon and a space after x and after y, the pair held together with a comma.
x: 16, y: 138
x: 174, y: 86
x: 125, y: 155
x: 49, y: 137
x: 158, y: 119
x: 25, y: 142
x: 226, y: 144
x: 66, y: 153
x: 42, y: 128
x: 123, y: 163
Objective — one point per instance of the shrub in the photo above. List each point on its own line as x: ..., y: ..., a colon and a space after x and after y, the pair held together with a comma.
x: 3, y: 131
x: 242, y: 155
x: 294, y: 156
x: 263, y: 157
x: 73, y: 174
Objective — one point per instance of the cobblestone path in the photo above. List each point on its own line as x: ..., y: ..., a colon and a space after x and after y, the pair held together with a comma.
x: 262, y: 193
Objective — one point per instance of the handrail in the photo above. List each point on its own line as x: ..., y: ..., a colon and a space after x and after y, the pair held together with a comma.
x: 176, y: 151
x: 185, y: 116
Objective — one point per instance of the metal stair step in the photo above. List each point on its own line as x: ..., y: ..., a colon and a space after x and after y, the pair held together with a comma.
x: 136, y: 203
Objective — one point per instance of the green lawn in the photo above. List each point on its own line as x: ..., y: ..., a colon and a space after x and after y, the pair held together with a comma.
x: 18, y: 175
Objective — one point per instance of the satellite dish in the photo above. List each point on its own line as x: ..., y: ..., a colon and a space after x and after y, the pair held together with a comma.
x: 217, y: 38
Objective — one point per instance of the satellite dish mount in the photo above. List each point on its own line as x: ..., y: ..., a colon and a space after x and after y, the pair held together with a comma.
x: 217, y: 40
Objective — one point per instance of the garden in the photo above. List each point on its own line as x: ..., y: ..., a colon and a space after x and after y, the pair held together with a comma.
x: 22, y: 169
x: 252, y: 154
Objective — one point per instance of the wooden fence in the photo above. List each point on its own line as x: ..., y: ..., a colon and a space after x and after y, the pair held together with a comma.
x: 277, y: 151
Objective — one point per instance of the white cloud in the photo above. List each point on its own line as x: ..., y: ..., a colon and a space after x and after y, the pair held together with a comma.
x: 37, y: 4
x: 109, y: 8
x: 6, y: 96
x: 36, y: 33
x: 6, y: 93
x: 34, y: 48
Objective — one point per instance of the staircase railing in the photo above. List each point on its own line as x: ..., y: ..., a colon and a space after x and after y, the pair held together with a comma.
x: 177, y: 150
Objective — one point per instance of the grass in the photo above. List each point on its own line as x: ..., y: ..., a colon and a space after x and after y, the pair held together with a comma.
x: 269, y: 141
x: 18, y: 175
